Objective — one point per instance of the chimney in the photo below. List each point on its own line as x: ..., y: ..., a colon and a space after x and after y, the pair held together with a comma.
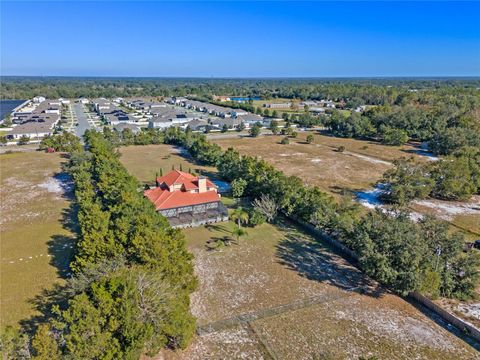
x: 202, y: 184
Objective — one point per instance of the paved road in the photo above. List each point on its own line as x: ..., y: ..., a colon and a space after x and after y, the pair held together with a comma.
x: 83, y: 124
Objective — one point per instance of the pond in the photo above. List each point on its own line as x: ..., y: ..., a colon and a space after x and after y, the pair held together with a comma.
x: 223, y: 186
x: 244, y: 99
x: 6, y: 106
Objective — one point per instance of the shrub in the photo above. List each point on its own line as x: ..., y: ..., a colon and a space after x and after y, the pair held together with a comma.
x: 285, y: 141
x: 24, y: 139
x: 256, y: 218
x: 341, y: 149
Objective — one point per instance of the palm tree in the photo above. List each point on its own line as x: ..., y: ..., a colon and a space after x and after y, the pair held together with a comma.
x: 238, y: 233
x: 240, y: 216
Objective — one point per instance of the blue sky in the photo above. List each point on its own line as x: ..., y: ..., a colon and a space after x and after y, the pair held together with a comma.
x: 240, y: 39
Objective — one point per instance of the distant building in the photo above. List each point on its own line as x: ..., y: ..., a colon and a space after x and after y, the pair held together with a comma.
x: 64, y: 101
x: 238, y: 112
x: 278, y: 105
x: 187, y: 200
x: 221, y: 98
x: 197, y: 125
x: 317, y: 110
x: 135, y: 129
x: 38, y: 99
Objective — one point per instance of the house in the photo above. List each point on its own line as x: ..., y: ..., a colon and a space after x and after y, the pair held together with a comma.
x: 167, y: 117
x: 308, y: 103
x: 317, y: 110
x: 229, y: 122
x: 251, y: 119
x: 187, y: 200
x: 196, y: 125
x: 36, y: 127
x: 238, y: 112
x: 38, y: 99
x: 101, y: 104
x: 278, y: 105
x: 64, y: 101
x: 221, y: 98
x: 178, y: 100
x: 118, y: 116
x: 135, y: 129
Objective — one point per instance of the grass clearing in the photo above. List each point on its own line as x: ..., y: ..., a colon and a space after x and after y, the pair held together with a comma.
x: 358, y: 167
x: 35, y: 245
x: 277, y: 266
x: 144, y: 162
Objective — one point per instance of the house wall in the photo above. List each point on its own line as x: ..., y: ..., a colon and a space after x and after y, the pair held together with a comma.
x: 195, y: 209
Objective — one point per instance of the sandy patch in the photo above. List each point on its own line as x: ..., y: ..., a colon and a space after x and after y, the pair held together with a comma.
x: 368, y: 158
x: 52, y: 185
x: 447, y: 210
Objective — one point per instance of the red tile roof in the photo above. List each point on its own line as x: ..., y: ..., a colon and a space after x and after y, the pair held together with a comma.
x: 164, y: 199
x: 179, y: 177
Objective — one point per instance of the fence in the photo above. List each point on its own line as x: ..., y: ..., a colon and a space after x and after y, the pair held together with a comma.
x: 445, y: 315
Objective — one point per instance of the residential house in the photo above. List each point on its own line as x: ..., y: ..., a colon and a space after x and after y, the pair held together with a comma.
x: 187, y: 200
x: 221, y: 98
x: 122, y: 126
x: 38, y: 99
x: 197, y: 125
x: 238, y: 112
x: 278, y: 105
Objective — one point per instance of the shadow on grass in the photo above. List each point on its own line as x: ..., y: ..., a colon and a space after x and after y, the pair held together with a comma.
x: 216, y: 242
x: 218, y: 227
x: 61, y: 248
x: 316, y: 260
x: 445, y: 324
x: 44, y: 303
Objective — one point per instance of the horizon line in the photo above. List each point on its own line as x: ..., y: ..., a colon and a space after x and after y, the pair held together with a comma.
x: 250, y: 77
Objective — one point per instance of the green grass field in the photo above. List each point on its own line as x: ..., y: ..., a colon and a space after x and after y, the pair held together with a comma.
x: 35, y: 244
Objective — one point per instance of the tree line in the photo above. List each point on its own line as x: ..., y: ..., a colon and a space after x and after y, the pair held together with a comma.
x: 393, y: 249
x: 445, y: 127
x: 132, y: 275
x: 353, y: 91
x: 455, y: 177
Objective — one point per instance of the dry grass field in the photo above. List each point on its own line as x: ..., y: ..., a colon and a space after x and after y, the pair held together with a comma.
x: 280, y: 294
x: 144, y: 162
x: 35, y: 245
x: 358, y: 167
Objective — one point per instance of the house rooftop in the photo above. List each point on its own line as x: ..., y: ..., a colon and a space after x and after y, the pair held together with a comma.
x: 168, y: 195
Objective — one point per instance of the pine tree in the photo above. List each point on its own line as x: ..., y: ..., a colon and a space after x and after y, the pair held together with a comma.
x: 44, y: 345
